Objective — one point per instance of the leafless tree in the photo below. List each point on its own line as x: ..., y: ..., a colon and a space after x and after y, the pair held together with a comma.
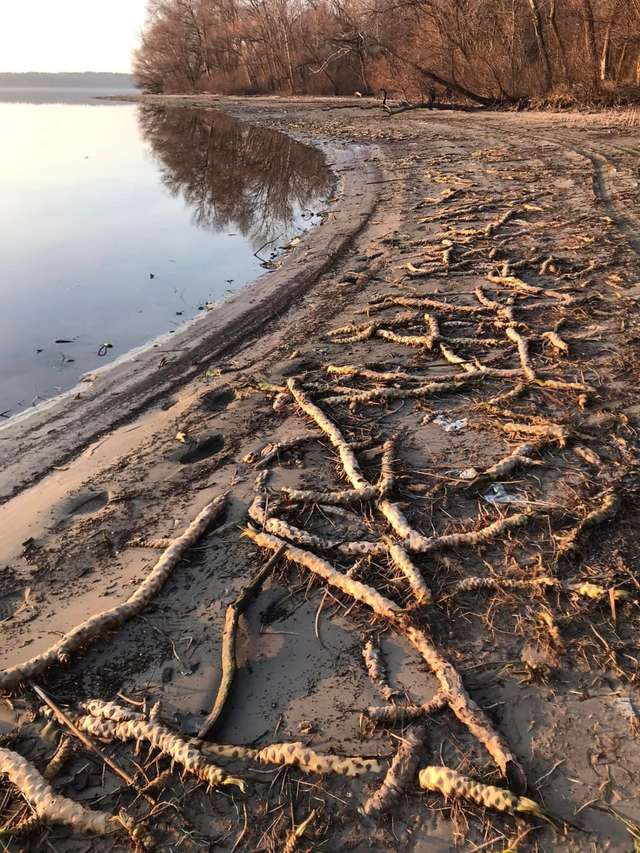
x: 484, y: 51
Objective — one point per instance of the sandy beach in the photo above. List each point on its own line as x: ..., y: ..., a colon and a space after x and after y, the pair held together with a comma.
x: 471, y: 297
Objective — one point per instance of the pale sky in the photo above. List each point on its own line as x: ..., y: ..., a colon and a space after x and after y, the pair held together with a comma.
x: 69, y: 35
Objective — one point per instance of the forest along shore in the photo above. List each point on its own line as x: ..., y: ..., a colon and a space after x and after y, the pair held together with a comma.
x: 438, y: 440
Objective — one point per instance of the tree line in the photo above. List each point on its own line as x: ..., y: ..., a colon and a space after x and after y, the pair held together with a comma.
x: 484, y: 51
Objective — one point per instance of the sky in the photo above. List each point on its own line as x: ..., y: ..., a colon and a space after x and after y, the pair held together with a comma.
x: 69, y: 35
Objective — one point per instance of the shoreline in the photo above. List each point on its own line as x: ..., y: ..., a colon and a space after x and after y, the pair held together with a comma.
x: 486, y: 308
x: 118, y: 392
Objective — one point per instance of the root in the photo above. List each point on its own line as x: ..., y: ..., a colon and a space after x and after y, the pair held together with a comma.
x: 49, y: 806
x: 165, y: 741
x: 27, y: 826
x: 476, y: 342
x: 460, y: 380
x: 160, y: 781
x: 297, y: 754
x: 426, y: 341
x: 595, y: 592
x: 400, y: 774
x: 96, y: 626
x: 346, y: 454
x: 450, y: 682
x: 296, y: 834
x: 545, y: 265
x: 514, y: 283
x: 556, y: 341
x: 110, y: 711
x: 484, y: 300
x: 434, y: 326
x: 228, y: 654
x: 453, y: 358
x: 413, y: 540
x: 400, y: 714
x: 361, y: 592
x: 553, y: 432
x: 345, y: 497
x: 519, y: 458
x: 523, y: 352
x: 512, y: 394
x: 451, y: 784
x: 278, y: 527
x: 353, y: 333
x: 473, y: 584
x: 559, y: 385
x: 372, y: 375
x: 477, y: 537
x: 404, y: 564
x: 387, y: 478
x: 415, y: 302
x: 492, y: 227
x: 607, y: 509
x: 60, y: 757
x: 264, y: 457
x: 376, y: 669
x: 159, y: 544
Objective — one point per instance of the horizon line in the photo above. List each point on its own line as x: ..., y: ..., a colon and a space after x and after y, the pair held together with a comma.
x: 86, y: 71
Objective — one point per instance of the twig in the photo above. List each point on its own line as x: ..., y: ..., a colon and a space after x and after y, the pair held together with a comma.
x: 90, y: 745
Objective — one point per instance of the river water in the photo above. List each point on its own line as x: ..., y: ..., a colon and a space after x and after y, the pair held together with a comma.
x: 119, y: 222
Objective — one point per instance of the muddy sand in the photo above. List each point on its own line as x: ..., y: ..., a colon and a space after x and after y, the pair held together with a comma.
x: 450, y: 362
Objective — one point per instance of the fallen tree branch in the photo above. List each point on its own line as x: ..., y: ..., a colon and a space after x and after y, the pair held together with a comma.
x: 228, y: 654
x: 427, y: 105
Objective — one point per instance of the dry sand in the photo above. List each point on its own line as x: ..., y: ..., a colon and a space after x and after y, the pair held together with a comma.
x: 91, y: 474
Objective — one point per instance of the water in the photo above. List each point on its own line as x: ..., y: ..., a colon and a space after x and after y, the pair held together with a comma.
x: 57, y: 95
x: 120, y: 222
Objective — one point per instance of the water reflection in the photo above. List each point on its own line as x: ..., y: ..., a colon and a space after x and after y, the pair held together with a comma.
x: 233, y: 175
x: 125, y: 224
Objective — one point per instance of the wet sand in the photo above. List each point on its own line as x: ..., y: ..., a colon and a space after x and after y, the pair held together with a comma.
x: 87, y: 477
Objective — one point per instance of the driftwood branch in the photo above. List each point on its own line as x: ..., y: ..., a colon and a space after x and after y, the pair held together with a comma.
x: 427, y: 105
x: 228, y: 656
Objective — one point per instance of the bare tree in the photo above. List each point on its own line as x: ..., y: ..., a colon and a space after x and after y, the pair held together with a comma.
x: 484, y: 51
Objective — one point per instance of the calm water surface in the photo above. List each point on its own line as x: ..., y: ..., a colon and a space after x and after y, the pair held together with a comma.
x: 120, y: 222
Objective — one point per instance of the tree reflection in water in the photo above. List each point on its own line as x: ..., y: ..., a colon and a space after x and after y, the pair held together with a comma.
x: 233, y: 175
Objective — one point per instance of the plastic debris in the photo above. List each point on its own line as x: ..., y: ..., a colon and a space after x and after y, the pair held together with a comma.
x: 450, y: 426
x: 497, y: 494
